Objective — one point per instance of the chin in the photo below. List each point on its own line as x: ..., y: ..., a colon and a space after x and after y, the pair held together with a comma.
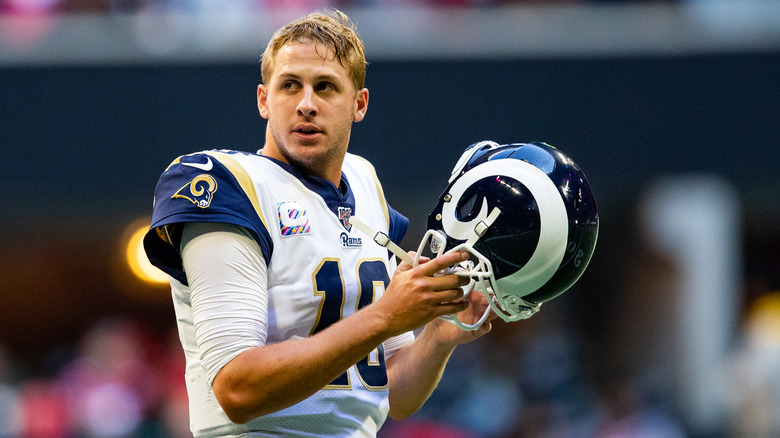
x: 313, y: 163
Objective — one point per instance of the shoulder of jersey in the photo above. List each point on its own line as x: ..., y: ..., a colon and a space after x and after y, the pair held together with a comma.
x: 198, y: 178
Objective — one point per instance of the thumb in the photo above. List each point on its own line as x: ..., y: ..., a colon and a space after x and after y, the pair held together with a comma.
x: 485, y: 328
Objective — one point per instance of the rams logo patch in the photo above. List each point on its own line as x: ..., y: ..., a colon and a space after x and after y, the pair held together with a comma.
x: 293, y: 220
x: 199, y: 191
x: 350, y: 242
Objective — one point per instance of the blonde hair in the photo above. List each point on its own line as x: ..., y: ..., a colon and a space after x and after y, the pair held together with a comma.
x: 331, y: 28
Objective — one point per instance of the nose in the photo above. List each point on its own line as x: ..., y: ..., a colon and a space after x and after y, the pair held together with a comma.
x: 306, y: 106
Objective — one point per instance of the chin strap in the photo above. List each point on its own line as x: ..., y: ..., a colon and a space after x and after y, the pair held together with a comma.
x: 382, y: 240
x: 439, y: 241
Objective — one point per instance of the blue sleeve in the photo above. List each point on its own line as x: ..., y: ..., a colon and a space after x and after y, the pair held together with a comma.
x: 197, y: 188
x: 398, y: 225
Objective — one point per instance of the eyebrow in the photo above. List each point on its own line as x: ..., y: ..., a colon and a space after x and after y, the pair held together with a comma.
x: 318, y: 78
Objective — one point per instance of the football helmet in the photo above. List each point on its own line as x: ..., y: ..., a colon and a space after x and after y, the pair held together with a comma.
x: 526, y: 214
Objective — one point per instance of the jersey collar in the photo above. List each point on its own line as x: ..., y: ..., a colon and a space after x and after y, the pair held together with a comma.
x: 332, y: 195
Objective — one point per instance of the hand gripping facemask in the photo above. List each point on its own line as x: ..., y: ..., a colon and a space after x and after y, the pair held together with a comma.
x: 527, y: 216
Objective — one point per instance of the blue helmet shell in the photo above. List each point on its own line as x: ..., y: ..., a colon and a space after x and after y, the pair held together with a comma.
x: 514, y: 238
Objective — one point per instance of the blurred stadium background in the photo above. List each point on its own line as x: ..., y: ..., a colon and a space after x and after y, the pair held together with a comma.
x: 671, y: 107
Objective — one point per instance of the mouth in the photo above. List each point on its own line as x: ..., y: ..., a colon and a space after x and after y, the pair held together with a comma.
x: 307, y: 130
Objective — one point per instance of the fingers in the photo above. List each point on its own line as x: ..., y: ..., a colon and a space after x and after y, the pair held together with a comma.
x: 425, y: 292
x: 446, y: 294
x: 446, y: 287
x: 450, y: 281
x: 429, y: 268
x: 443, y: 261
x: 452, y: 307
x: 404, y: 266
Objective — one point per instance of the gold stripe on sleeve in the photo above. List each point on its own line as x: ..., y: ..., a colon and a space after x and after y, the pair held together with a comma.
x: 243, y: 179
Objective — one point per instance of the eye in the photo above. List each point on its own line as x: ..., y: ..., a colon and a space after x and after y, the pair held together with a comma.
x: 289, y: 85
x: 326, y: 86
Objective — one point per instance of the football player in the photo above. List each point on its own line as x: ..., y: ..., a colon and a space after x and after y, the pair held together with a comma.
x: 293, y: 322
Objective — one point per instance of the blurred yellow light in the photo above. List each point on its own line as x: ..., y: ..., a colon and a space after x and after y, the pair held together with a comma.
x: 763, y: 321
x: 137, y: 260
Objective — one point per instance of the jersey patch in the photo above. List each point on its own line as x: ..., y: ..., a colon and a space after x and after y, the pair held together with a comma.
x: 350, y: 242
x: 200, y: 191
x: 344, y: 214
x: 293, y: 220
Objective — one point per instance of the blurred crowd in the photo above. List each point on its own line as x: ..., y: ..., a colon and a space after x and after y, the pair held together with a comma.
x: 124, y: 6
x: 119, y: 381
x: 55, y: 30
x: 536, y: 378
x: 523, y: 381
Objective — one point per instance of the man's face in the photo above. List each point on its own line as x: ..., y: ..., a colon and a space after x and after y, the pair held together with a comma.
x: 310, y: 104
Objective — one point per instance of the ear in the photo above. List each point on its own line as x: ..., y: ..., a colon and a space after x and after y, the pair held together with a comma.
x: 362, y: 105
x: 262, y: 101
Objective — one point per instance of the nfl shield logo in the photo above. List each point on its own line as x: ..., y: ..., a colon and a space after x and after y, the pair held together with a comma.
x: 344, y: 214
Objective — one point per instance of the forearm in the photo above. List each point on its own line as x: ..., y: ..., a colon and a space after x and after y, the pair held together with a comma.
x: 266, y: 379
x: 415, y: 371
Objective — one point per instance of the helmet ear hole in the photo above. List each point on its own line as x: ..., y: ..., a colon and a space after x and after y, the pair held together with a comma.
x: 466, y: 206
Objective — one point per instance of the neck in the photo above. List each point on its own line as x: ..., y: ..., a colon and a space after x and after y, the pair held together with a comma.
x: 330, y: 172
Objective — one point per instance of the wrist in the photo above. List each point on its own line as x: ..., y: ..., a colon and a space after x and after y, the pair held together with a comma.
x: 376, y: 320
x: 434, y: 334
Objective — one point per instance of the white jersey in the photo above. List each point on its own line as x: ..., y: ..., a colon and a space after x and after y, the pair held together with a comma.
x: 320, y: 269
